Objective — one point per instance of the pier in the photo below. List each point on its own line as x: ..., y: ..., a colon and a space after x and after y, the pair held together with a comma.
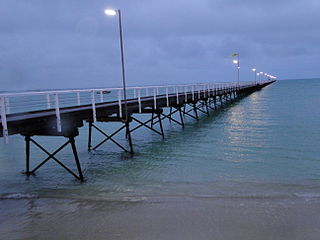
x: 63, y: 112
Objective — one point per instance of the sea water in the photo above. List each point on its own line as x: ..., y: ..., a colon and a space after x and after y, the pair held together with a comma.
x: 250, y: 170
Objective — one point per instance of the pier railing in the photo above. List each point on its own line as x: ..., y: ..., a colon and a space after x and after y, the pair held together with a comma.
x: 23, y: 102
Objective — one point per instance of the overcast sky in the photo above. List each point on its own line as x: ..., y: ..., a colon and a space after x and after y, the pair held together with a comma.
x: 71, y: 43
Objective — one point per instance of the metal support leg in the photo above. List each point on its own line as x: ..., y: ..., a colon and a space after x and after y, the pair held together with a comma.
x: 181, y: 117
x: 76, y: 158
x: 27, y: 139
x: 152, y: 119
x: 195, y: 111
x: 126, y: 132
x: 206, y: 104
x: 90, y: 136
x: 160, y: 123
x: 170, y: 114
x: 129, y: 137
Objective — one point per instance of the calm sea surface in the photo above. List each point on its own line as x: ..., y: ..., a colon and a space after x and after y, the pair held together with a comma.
x: 265, y: 147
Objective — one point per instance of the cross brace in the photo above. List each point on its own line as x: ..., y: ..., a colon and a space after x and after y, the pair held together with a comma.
x: 110, y: 137
x: 169, y: 116
x: 70, y: 141
x: 145, y: 124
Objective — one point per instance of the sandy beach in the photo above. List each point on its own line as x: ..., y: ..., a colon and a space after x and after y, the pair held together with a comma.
x: 170, y: 218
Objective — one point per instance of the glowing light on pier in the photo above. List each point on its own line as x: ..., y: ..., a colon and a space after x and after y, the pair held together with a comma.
x: 110, y: 12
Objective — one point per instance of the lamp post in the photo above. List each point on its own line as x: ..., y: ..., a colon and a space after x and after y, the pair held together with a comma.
x: 237, y: 63
x: 113, y: 12
x: 261, y: 76
x: 255, y: 75
x: 238, y: 69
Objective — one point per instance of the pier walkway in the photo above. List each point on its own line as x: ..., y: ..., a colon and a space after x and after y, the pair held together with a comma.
x: 63, y: 112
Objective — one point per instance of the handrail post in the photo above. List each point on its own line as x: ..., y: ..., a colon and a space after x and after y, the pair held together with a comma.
x: 57, y: 107
x: 7, y: 103
x: 185, y: 94
x: 177, y: 94
x: 101, y: 96
x: 192, y: 93
x: 139, y: 100
x: 93, y: 103
x: 48, y: 101
x: 155, y: 98
x: 5, y: 132
x: 119, y: 103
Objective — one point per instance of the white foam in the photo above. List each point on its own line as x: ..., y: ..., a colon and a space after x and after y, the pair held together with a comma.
x: 134, y: 199
x: 307, y: 195
x: 19, y: 196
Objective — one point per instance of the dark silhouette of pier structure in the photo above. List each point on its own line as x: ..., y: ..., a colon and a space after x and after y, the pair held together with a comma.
x: 54, y: 119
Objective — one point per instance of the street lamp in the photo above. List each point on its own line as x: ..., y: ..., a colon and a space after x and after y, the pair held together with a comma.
x: 261, y: 73
x: 255, y: 76
x: 113, y: 12
x: 237, y: 62
x: 110, y: 12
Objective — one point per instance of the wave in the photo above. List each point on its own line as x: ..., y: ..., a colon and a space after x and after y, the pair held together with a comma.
x: 166, y: 197
x: 18, y: 196
x: 308, y: 195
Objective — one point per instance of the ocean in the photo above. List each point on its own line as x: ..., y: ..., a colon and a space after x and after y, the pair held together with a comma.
x: 251, y: 170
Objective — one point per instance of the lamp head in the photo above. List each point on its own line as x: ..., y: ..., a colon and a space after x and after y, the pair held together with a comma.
x: 110, y: 12
x: 253, y: 69
x: 235, y: 61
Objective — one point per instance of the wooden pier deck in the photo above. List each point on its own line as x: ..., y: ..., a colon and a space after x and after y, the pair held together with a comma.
x: 65, y: 121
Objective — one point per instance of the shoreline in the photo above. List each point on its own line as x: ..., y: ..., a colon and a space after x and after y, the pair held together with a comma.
x: 45, y: 218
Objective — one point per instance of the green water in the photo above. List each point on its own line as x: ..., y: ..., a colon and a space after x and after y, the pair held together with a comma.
x: 264, y: 147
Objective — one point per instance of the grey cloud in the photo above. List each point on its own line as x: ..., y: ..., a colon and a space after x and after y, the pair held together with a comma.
x: 55, y: 44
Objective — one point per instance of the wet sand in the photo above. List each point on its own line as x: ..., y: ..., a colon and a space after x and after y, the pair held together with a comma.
x: 170, y: 218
